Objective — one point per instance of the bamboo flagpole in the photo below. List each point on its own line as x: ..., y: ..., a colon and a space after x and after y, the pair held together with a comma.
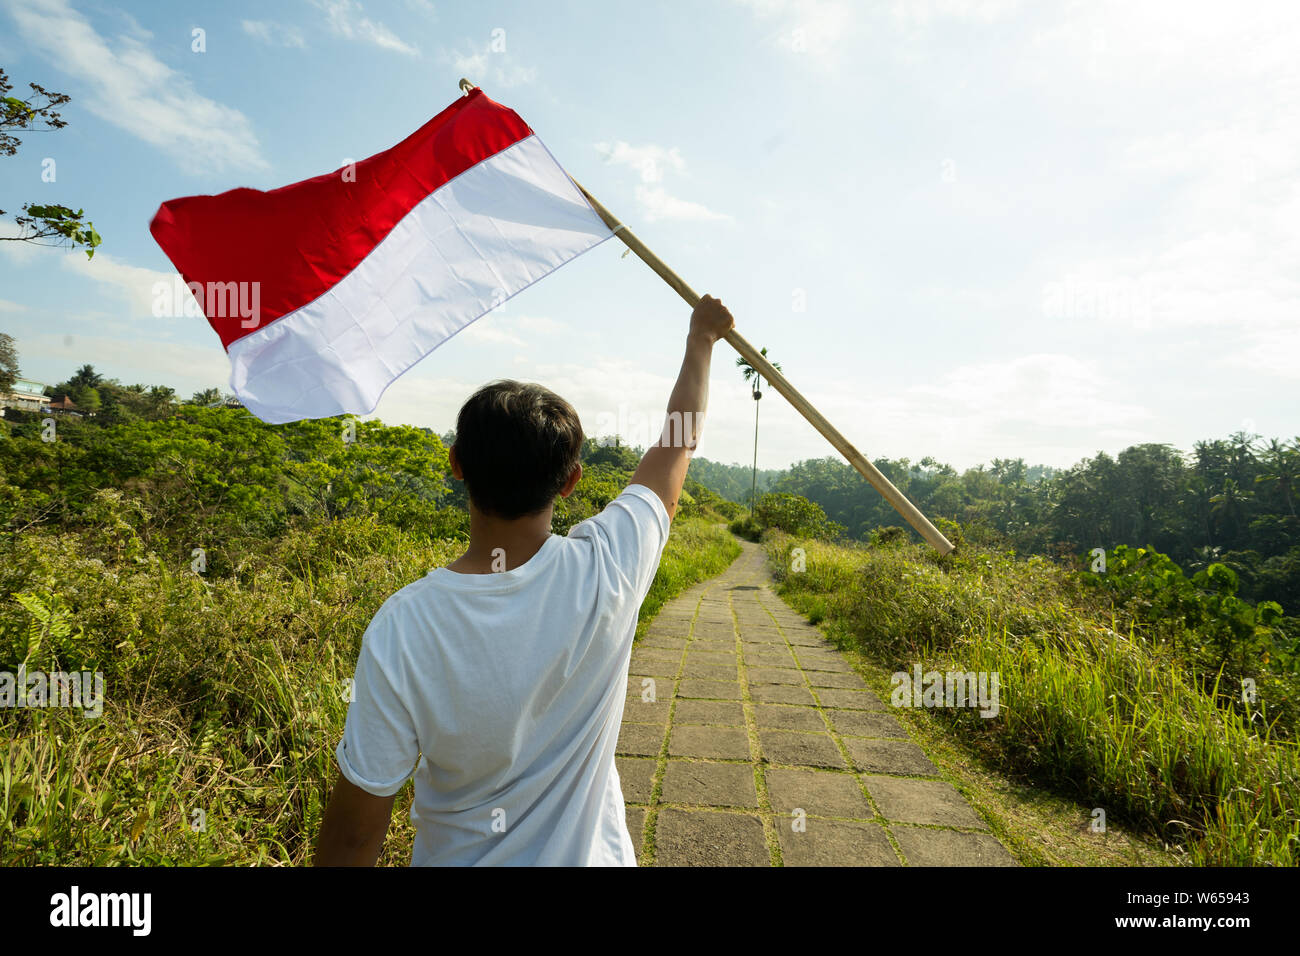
x: 765, y: 368
x: 909, y: 511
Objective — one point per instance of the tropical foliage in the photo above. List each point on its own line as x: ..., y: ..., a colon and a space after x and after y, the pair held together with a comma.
x: 219, y: 572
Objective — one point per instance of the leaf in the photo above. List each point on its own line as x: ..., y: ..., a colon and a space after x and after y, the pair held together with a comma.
x: 137, y: 828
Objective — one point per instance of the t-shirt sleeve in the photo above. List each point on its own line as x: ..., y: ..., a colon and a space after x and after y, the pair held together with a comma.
x: 379, y: 748
x: 632, y: 530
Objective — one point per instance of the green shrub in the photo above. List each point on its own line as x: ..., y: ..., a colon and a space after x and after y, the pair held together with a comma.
x: 224, y: 690
x: 746, y: 527
x: 796, y: 515
x: 1089, y: 706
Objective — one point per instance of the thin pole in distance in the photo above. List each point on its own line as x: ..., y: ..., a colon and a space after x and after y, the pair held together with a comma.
x: 760, y: 364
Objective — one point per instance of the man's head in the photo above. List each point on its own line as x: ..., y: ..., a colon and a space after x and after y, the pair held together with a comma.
x: 517, y: 447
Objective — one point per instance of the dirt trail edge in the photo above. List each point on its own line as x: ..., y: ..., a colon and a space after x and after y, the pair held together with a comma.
x: 747, y: 740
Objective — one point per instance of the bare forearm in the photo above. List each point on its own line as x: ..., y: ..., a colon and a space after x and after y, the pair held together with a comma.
x: 690, y: 395
x: 354, y: 828
x: 663, y: 469
x: 337, y: 847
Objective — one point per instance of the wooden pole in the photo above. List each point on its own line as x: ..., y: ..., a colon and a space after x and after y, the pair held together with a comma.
x: 756, y: 360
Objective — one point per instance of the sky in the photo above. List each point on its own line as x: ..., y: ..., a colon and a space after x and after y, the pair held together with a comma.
x: 970, y: 229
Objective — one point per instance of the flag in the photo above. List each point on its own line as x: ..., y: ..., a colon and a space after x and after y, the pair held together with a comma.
x: 323, y: 292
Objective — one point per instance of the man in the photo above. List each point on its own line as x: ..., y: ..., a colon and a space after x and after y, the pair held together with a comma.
x: 499, y: 680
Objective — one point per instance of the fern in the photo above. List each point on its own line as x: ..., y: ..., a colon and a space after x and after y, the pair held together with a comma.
x: 51, y: 625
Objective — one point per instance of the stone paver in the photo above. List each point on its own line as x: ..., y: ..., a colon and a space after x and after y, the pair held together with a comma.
x: 781, y: 694
x: 638, y: 711
x: 780, y: 717
x: 718, y: 713
x: 720, y: 743
x: 709, y: 838
x: 709, y: 689
x: 836, y: 843
x: 635, y: 823
x: 766, y: 748
x: 800, y: 749
x: 637, y: 774
x: 710, y: 784
x: 851, y: 699
x: 923, y: 847
x: 922, y: 801
x: 889, y: 756
x: 862, y: 723
x: 640, y: 740
x: 817, y: 792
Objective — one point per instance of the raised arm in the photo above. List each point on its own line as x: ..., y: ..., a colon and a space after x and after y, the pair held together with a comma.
x: 663, y: 468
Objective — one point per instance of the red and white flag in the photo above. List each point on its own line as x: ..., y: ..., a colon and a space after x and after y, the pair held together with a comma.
x: 325, y: 291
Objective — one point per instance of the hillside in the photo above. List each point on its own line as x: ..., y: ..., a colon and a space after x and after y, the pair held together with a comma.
x: 219, y: 573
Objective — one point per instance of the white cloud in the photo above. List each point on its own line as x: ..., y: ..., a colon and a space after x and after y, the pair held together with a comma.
x: 1271, y: 351
x: 134, y: 284
x: 1201, y: 129
x: 423, y: 401
x: 7, y: 306
x: 1045, y: 390
x: 489, y: 68
x: 20, y: 253
x: 925, y: 12
x: 657, y: 204
x: 651, y: 162
x: 128, y: 86
x: 1049, y: 408
x: 812, y: 29
x: 486, y: 332
x: 274, y: 34
x: 187, y: 368
x: 346, y: 19
x: 503, y: 326
x: 612, y: 395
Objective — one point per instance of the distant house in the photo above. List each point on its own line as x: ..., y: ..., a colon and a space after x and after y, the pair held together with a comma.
x: 26, y: 395
x: 65, y: 405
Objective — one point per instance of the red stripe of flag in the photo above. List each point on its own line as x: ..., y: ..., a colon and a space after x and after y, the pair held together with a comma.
x: 298, y: 241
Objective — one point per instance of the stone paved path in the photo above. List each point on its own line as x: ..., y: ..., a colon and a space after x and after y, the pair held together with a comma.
x: 747, y: 740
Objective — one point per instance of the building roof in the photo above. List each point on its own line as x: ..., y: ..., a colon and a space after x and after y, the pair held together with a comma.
x: 25, y: 386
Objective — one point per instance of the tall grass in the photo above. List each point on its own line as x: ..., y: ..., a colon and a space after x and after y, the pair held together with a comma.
x: 223, y: 697
x: 1086, y: 707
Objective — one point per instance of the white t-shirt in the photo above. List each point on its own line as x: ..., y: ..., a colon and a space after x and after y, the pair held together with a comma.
x: 509, y: 689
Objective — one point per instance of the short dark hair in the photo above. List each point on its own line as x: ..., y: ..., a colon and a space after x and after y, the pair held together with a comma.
x: 517, y: 444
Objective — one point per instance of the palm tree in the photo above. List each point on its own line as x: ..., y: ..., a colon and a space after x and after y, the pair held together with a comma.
x: 160, y: 398
x: 1195, y: 501
x: 1229, y: 507
x: 86, y: 376
x: 1242, y: 455
x: 751, y: 375
x: 1283, y: 466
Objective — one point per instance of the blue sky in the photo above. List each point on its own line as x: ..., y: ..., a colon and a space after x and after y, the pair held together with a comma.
x: 966, y: 228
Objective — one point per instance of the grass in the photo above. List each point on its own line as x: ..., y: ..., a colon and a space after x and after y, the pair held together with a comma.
x: 1086, y: 710
x: 224, y: 697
